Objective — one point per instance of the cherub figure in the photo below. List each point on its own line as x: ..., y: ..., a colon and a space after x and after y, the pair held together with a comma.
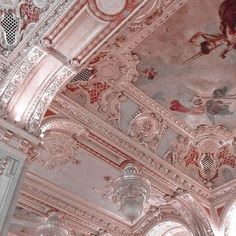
x: 209, y: 42
x: 218, y: 103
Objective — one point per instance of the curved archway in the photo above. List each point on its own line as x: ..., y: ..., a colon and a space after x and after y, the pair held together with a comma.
x: 229, y: 220
x: 169, y: 228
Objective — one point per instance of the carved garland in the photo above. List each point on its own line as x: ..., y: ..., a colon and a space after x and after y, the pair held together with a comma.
x: 147, y: 128
x: 211, y: 149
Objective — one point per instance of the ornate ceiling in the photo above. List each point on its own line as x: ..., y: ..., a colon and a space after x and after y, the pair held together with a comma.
x: 102, y: 83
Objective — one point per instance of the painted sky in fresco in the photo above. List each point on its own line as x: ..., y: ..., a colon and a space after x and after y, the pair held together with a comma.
x: 202, y: 91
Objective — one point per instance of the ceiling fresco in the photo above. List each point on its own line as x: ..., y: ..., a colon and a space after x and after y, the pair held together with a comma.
x: 181, y: 69
x: 176, y: 70
x: 153, y: 86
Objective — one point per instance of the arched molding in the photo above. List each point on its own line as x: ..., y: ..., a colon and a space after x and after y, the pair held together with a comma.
x: 157, y: 215
x: 224, y: 220
x: 109, y: 10
x: 26, y: 97
x: 167, y: 219
x: 179, y: 229
x: 39, y: 107
x: 9, y: 86
x: 61, y: 124
x: 199, y: 217
x: 226, y: 209
x: 229, y: 222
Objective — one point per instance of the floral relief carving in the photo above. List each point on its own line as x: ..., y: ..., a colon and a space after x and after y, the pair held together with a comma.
x: 37, y: 110
x: 60, y: 147
x: 109, y: 67
x: 211, y: 149
x: 115, y: 68
x: 59, y: 140
x: 160, y: 216
x: 8, y: 87
x: 147, y: 128
x: 99, y: 97
x: 196, y: 209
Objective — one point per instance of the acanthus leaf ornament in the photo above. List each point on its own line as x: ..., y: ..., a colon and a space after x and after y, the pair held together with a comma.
x: 211, y: 150
x: 60, y: 149
x: 59, y: 140
x: 147, y: 128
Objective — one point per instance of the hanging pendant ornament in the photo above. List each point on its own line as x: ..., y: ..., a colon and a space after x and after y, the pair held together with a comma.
x: 52, y: 226
x: 130, y: 191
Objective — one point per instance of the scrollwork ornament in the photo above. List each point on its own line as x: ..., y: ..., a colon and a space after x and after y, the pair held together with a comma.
x: 60, y: 148
x: 109, y: 106
x: 92, y: 122
x: 147, y: 128
x: 210, y: 149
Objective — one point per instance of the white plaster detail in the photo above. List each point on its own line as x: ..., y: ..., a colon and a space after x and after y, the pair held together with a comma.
x: 111, y: 7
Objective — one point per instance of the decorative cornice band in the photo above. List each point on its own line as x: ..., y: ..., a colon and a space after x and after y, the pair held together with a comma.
x: 150, y: 161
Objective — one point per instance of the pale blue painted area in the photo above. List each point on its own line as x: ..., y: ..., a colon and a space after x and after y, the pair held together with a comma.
x: 127, y: 112
x: 165, y: 143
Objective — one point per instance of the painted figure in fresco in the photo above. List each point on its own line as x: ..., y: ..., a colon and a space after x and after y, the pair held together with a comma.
x: 227, y: 37
x: 217, y: 104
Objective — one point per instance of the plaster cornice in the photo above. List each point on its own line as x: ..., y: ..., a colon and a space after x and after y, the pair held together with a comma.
x: 140, y: 154
x: 40, y: 196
